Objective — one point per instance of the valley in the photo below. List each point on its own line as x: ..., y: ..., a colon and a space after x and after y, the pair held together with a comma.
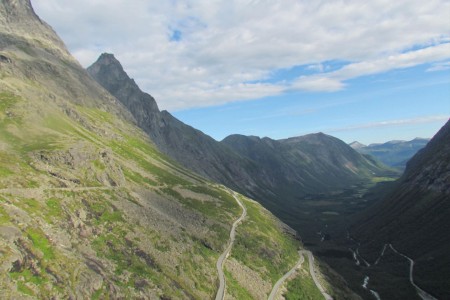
x: 89, y: 207
x: 105, y: 196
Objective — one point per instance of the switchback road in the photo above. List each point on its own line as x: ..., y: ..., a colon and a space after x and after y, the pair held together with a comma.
x: 221, y: 291
x: 297, y: 265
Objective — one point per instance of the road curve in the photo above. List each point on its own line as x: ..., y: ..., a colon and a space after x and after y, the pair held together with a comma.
x: 219, y: 265
x: 422, y: 294
x: 280, y: 282
x: 297, y: 265
x: 313, y: 274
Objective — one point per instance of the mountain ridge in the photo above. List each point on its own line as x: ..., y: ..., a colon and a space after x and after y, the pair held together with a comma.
x: 187, y: 145
x: 192, y: 148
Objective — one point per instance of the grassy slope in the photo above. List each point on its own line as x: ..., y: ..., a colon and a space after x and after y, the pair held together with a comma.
x: 89, y: 207
x: 265, y: 248
x: 302, y: 286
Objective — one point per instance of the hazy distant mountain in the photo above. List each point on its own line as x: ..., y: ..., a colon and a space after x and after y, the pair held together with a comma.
x: 89, y: 207
x: 392, y: 153
x: 357, y: 145
x: 415, y: 216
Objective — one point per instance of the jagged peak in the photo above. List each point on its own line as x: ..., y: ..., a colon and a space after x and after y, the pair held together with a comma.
x: 15, y: 8
x: 111, y: 62
x: 18, y: 20
x: 110, y: 67
x: 108, y: 71
x: 107, y: 58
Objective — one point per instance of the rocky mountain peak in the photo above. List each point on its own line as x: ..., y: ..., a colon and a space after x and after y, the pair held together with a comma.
x: 18, y: 21
x: 15, y: 9
x: 108, y: 59
x: 110, y: 71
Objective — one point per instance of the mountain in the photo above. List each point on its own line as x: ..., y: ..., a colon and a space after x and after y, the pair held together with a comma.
x: 276, y: 169
x: 188, y: 146
x: 392, y: 153
x: 414, y: 217
x: 89, y: 207
x: 305, y: 164
x: 356, y: 145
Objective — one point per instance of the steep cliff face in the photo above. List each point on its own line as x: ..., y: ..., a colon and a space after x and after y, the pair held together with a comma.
x: 109, y: 73
x: 414, y: 217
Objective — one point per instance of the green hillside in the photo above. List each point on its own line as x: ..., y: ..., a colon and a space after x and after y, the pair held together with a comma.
x: 89, y: 207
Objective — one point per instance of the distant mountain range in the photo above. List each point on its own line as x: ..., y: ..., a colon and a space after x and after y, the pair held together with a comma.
x: 415, y: 216
x: 392, y: 153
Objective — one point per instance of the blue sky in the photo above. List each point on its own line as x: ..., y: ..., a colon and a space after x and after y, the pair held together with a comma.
x: 400, y: 104
x: 370, y: 71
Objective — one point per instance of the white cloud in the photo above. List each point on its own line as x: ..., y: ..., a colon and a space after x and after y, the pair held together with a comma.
x: 391, y: 123
x: 334, y: 81
x: 318, y: 83
x: 316, y: 67
x: 226, y: 44
x: 395, y: 61
x: 441, y: 66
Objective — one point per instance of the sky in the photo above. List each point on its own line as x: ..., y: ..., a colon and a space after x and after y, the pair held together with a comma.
x: 370, y: 71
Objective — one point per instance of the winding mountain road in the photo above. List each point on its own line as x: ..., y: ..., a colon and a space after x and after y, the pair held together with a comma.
x: 422, y: 294
x: 221, y: 291
x: 313, y: 274
x: 279, y: 283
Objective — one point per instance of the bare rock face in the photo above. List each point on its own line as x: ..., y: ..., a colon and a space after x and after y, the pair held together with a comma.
x: 108, y: 72
x: 17, y: 17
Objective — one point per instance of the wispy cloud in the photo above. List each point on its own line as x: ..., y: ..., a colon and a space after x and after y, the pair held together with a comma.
x: 222, y: 45
x: 441, y: 66
x: 333, y: 81
x: 391, y: 123
x: 316, y: 83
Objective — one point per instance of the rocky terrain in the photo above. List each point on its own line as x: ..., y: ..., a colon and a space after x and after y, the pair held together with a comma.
x: 89, y: 207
